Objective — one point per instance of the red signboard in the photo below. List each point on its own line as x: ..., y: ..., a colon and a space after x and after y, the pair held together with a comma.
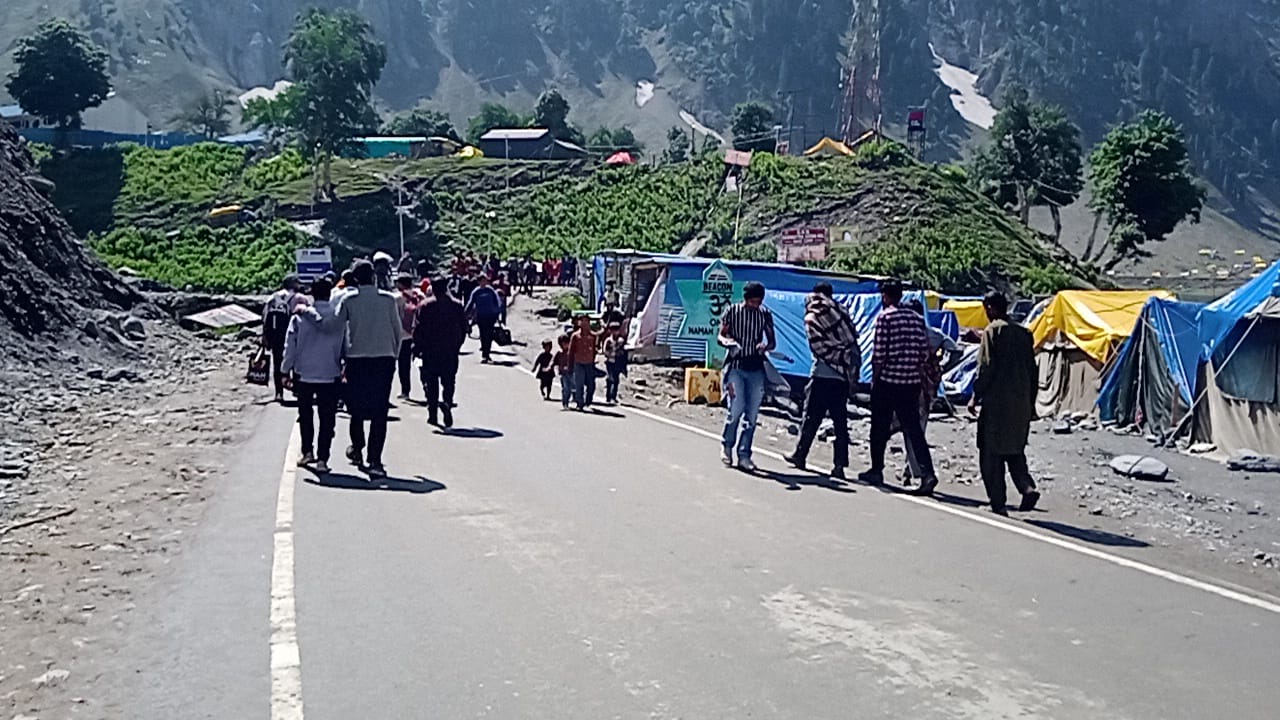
x: 802, y: 244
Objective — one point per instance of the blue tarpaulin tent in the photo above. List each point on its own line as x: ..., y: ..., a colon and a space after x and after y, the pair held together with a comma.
x: 1152, y: 382
x: 1221, y: 316
x: 792, y: 356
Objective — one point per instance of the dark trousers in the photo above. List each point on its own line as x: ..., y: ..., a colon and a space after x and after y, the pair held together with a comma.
x: 439, y: 375
x: 545, y: 382
x: 368, y: 398
x: 992, y: 467
x: 277, y: 359
x: 486, y: 325
x: 584, y: 384
x: 323, y: 397
x: 901, y: 401
x: 612, y: 380
x: 405, y: 365
x: 826, y: 397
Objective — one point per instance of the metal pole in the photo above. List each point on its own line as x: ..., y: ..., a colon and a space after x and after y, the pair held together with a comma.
x: 400, y: 214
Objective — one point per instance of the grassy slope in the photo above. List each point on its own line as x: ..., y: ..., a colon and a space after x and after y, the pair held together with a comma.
x: 912, y: 220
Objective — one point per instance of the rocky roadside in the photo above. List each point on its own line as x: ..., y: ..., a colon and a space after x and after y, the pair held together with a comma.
x: 104, y: 467
x: 1203, y: 518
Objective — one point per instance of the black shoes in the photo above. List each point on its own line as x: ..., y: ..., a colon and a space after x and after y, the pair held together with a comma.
x: 795, y: 461
x: 1029, y: 501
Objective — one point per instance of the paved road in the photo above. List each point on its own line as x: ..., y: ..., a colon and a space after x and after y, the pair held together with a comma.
x: 557, y: 565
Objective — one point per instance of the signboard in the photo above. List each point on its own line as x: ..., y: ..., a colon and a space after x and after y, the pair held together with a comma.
x: 783, y: 147
x: 312, y: 263
x: 802, y: 244
x: 704, y: 304
x: 741, y: 158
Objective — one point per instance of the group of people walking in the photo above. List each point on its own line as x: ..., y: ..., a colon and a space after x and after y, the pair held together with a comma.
x: 905, y: 374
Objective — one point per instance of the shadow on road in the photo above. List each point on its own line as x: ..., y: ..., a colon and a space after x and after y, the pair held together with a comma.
x: 798, y: 480
x: 470, y: 433
x: 603, y: 413
x: 505, y: 363
x: 418, y: 486
x: 955, y: 499
x: 1097, y: 537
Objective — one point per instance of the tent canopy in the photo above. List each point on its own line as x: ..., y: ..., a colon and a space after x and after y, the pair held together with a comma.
x: 1219, y: 317
x: 1093, y: 320
x: 826, y: 147
x: 1154, y: 376
x: 621, y: 158
x: 969, y: 313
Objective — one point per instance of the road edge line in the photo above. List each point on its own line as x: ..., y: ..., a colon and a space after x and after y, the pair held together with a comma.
x: 286, y: 661
x: 1247, y: 598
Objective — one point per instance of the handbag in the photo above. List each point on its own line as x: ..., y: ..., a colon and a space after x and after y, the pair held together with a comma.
x: 259, y: 372
x: 502, y: 335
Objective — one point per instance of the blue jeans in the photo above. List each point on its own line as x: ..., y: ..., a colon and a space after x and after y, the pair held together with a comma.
x: 746, y: 392
x: 584, y: 383
x: 566, y: 388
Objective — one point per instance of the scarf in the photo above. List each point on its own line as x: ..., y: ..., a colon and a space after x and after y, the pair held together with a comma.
x: 832, y: 337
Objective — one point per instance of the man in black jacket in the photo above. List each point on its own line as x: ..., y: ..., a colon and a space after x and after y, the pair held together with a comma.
x: 437, y: 338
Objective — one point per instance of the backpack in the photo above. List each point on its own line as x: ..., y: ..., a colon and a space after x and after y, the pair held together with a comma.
x: 276, y: 323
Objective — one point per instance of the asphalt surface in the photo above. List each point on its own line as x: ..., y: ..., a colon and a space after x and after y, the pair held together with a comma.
x: 545, y: 564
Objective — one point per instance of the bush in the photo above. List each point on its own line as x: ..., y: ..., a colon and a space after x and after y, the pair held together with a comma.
x: 163, y: 185
x: 243, y: 258
x: 289, y: 166
x: 883, y: 155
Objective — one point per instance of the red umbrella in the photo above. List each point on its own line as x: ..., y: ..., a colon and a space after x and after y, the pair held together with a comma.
x: 620, y: 158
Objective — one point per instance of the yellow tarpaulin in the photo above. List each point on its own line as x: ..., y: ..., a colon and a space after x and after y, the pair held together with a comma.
x: 827, y: 147
x: 1096, y: 321
x: 969, y: 313
x: 470, y: 151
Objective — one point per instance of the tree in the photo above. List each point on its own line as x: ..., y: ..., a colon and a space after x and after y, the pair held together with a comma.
x: 678, y: 146
x: 422, y: 122
x: 605, y: 140
x: 208, y: 115
x: 552, y: 113
x: 60, y: 74
x: 1142, y: 185
x: 492, y: 115
x: 1034, y: 159
x: 334, y: 61
x: 753, y: 127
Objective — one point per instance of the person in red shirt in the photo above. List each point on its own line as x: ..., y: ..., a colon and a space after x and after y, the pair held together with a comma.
x: 583, y: 347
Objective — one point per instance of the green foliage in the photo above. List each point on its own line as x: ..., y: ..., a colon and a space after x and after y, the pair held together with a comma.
x: 164, y: 186
x: 1034, y: 157
x: 1142, y: 183
x: 1046, y: 280
x: 60, y: 74
x: 946, y: 256
x: 243, y: 258
x: 289, y: 166
x: 883, y: 155
x: 209, y: 115
x: 678, y: 146
x: 606, y: 141
x: 552, y: 113
x: 753, y: 127
x: 492, y: 116
x: 40, y: 151
x: 422, y: 123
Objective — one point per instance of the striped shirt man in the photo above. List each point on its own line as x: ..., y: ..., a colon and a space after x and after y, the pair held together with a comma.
x: 749, y: 326
x: 901, y: 347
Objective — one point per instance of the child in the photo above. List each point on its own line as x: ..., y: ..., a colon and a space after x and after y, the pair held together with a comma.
x: 564, y: 368
x: 615, y: 361
x: 583, y: 347
x: 545, y: 370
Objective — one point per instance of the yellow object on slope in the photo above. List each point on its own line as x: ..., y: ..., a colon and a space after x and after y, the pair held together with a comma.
x: 969, y: 313
x: 702, y: 385
x: 1096, y: 321
x: 827, y: 147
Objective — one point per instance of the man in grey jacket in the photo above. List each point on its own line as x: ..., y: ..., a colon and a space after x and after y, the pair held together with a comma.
x: 373, y: 332
x: 313, y: 353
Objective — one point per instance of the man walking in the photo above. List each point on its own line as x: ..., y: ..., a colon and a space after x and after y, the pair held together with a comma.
x: 276, y: 315
x: 408, y: 299
x: 747, y: 330
x: 584, y: 346
x: 313, y: 353
x: 935, y: 366
x: 837, y: 360
x: 438, y: 335
x: 899, y: 356
x: 485, y: 306
x: 1006, y: 389
x: 373, y: 327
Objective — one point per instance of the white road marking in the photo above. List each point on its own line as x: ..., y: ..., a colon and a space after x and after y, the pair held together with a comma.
x: 286, y: 662
x: 1262, y: 603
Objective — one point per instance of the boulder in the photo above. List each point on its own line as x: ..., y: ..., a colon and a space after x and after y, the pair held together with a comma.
x: 1140, y: 467
x: 1253, y: 461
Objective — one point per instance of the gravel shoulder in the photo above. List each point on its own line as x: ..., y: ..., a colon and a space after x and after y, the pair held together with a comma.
x: 1204, y: 519
x: 106, y: 471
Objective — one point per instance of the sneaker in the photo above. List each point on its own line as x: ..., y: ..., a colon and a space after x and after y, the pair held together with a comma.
x: 355, y: 455
x: 448, y: 417
x: 1000, y: 511
x: 746, y: 465
x: 432, y: 418
x: 306, y: 459
x: 838, y: 474
x: 377, y: 472
x: 1029, y: 501
x: 871, y: 477
x: 795, y: 461
x: 321, y: 468
x: 725, y: 458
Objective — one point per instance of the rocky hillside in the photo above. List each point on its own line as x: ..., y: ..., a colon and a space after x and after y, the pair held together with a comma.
x: 49, y: 282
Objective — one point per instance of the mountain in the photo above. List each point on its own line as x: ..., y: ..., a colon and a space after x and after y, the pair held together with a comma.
x: 1213, y: 65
